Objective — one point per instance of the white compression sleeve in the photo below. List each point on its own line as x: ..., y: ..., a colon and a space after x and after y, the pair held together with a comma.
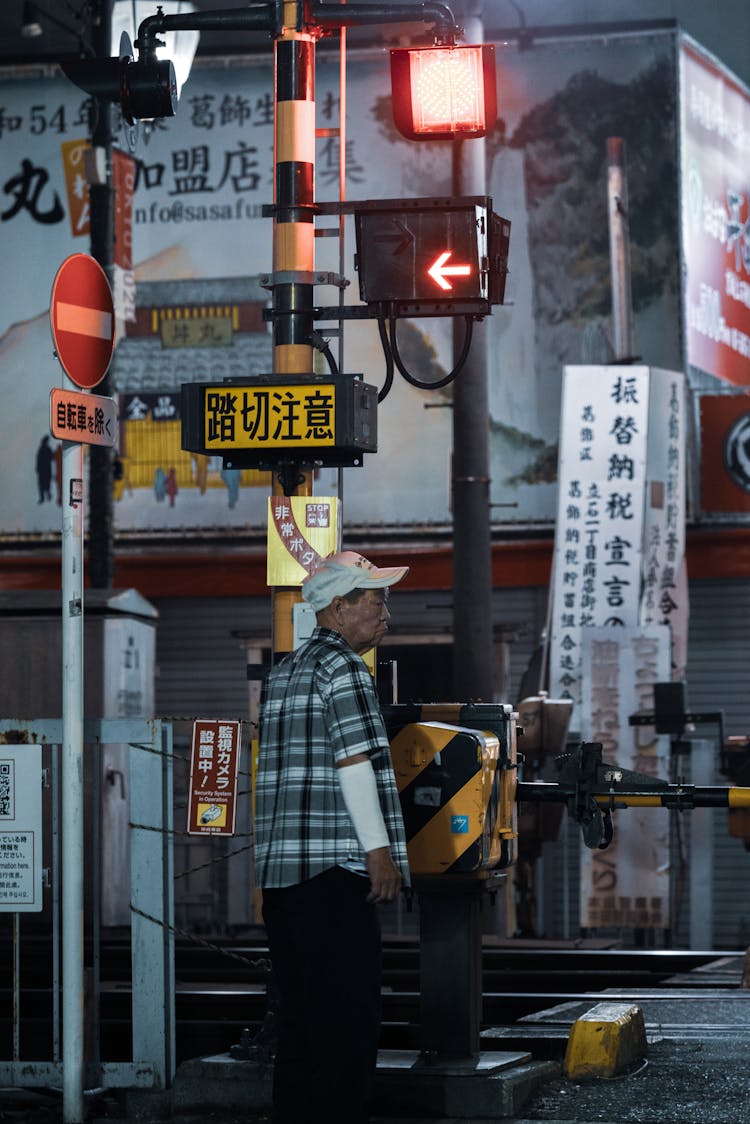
x: 360, y: 793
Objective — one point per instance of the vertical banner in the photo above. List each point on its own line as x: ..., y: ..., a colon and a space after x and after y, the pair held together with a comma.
x: 619, y: 619
x: 715, y: 179
x: 627, y: 885
x: 74, y: 156
x: 123, y: 182
x: 599, y: 533
x: 664, y: 593
x: 78, y: 163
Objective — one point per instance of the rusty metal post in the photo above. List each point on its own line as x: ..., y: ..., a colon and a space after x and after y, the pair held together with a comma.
x: 619, y: 250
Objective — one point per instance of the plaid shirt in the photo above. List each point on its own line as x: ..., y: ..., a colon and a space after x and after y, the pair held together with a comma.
x: 320, y: 707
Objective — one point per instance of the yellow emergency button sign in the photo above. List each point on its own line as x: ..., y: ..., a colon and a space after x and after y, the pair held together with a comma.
x: 269, y: 417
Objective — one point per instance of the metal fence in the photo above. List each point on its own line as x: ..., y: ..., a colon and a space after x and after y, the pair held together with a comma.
x: 148, y: 753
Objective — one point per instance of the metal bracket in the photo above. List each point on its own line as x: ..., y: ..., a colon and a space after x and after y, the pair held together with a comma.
x: 375, y: 311
x: 352, y: 206
x: 336, y: 312
x: 301, y: 277
x: 687, y: 718
x: 289, y: 476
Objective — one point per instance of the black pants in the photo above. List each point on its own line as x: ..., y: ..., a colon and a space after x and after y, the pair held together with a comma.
x: 326, y: 952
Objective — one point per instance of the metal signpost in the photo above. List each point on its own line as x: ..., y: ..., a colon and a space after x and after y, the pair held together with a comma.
x: 82, y: 321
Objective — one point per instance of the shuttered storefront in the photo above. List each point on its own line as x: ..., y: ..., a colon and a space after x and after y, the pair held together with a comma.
x: 718, y: 680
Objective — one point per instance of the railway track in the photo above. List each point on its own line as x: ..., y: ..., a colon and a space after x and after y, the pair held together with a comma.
x: 221, y: 990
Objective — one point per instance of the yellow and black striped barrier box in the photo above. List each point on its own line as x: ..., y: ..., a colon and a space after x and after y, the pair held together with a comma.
x: 455, y: 768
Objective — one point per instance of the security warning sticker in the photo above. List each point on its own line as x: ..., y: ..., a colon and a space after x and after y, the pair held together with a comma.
x: 214, y: 769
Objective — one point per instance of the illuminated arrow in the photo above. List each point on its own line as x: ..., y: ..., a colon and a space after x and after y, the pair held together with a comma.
x: 439, y: 271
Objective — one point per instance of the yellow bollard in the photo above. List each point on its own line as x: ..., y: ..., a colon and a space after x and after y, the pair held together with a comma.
x: 605, y: 1041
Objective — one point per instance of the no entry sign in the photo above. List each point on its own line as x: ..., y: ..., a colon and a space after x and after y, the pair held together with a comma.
x: 83, y: 321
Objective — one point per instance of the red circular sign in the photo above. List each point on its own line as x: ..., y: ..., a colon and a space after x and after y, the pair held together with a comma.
x: 83, y: 320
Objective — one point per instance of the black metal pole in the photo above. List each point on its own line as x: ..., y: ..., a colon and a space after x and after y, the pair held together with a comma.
x: 450, y: 1001
x: 101, y: 197
x: 450, y: 924
x: 473, y: 652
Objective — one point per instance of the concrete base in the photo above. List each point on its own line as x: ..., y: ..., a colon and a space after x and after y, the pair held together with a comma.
x: 220, y: 1082
x: 147, y: 1105
x: 492, y: 1086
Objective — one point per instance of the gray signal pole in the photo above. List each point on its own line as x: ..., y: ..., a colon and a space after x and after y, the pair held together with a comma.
x: 72, y: 781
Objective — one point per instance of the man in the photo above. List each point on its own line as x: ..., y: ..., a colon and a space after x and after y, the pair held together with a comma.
x: 329, y: 846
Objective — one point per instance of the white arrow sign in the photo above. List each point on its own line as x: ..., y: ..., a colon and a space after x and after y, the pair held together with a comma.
x: 439, y: 271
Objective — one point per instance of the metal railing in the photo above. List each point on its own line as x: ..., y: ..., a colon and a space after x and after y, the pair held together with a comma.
x: 152, y: 1064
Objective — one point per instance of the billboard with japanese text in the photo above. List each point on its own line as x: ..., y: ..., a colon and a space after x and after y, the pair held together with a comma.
x: 200, y: 248
x: 715, y: 172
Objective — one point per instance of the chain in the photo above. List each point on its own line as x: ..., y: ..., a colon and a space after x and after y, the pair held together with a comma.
x: 263, y: 963
x: 177, y: 757
x: 179, y: 831
x: 211, y: 862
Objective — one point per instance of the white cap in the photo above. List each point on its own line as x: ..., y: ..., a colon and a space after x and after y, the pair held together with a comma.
x: 339, y: 574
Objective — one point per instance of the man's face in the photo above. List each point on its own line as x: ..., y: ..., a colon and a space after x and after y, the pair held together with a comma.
x: 364, y: 623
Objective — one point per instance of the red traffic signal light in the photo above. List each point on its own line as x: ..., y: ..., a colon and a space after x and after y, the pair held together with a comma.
x: 444, y: 93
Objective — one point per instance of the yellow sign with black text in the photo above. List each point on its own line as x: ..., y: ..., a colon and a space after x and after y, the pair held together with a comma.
x: 265, y: 416
x: 274, y: 420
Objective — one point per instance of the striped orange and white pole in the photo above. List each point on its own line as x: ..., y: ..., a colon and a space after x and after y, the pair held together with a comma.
x: 293, y: 241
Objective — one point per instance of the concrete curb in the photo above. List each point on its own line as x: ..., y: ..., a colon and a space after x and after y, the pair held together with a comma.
x: 493, y: 1087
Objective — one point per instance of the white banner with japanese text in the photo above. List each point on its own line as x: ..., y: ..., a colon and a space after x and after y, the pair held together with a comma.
x: 619, y: 556
x: 599, y: 534
x: 664, y: 591
x: 627, y: 884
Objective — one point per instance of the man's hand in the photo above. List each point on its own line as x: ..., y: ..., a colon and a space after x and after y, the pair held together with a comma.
x: 385, y: 877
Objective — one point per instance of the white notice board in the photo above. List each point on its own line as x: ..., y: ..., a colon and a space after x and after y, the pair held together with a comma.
x: 20, y: 828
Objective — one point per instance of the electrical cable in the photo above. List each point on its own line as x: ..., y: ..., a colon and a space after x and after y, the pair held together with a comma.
x: 388, y: 359
x: 440, y: 382
x: 320, y: 343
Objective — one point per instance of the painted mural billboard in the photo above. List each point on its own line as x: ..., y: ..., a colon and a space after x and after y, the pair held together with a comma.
x: 201, y: 247
x: 715, y: 168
